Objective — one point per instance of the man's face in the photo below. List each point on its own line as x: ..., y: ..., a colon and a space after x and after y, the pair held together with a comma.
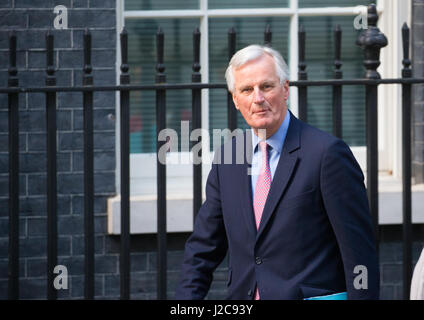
x: 259, y: 95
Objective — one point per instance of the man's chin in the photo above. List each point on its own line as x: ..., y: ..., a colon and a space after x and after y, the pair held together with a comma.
x: 264, y: 125
x: 261, y: 130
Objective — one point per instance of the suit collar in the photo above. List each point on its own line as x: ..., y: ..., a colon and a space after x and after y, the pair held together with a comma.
x: 292, y: 141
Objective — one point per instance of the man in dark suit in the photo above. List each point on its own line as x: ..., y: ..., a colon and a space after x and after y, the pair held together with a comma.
x: 293, y: 215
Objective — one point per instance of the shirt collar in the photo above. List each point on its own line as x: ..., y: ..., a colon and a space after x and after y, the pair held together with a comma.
x: 276, y: 141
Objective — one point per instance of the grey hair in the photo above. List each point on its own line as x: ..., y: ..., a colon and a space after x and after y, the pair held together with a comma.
x: 253, y: 52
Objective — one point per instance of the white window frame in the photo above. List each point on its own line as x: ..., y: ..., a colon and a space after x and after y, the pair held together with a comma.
x: 179, y: 177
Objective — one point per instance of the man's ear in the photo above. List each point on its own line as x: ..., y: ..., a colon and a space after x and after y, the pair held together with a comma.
x: 286, y: 89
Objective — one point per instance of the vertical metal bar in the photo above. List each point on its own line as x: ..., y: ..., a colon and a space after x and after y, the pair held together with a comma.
x: 88, y: 172
x: 337, y: 89
x: 161, y: 170
x: 406, y: 166
x: 371, y: 40
x: 124, y: 262
x: 51, y: 171
x: 197, y: 124
x: 268, y: 36
x: 302, y: 75
x: 13, y: 101
x: 372, y: 153
x: 231, y: 109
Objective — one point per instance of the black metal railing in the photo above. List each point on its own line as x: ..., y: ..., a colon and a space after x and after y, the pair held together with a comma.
x: 87, y: 80
x: 406, y: 165
x: 371, y: 40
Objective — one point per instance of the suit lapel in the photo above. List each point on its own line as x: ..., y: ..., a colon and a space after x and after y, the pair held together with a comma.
x: 246, y: 185
x: 246, y: 199
x: 283, y: 173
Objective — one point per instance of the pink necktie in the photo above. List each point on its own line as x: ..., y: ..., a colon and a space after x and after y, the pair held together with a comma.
x: 263, y: 185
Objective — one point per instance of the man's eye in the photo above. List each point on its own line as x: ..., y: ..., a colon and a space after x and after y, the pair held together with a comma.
x: 245, y: 90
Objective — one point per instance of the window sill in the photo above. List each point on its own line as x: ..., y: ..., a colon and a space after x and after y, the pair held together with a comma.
x: 390, y: 201
x: 180, y: 209
x: 143, y: 214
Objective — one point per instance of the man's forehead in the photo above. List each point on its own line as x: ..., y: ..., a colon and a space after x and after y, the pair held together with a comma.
x: 243, y: 79
x: 254, y: 81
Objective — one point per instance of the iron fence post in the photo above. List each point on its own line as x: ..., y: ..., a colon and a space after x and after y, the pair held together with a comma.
x: 51, y: 171
x: 161, y: 170
x: 125, y: 171
x: 13, y: 101
x: 337, y: 89
x: 197, y: 125
x: 87, y: 80
x: 231, y: 109
x: 302, y: 75
x: 406, y: 165
x: 371, y: 40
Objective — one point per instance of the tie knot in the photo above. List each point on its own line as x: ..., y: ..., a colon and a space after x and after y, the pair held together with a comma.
x: 263, y: 145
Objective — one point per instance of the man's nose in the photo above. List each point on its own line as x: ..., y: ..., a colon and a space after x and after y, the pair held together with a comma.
x: 258, y: 96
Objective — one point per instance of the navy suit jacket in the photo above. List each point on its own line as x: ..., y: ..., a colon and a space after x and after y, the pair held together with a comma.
x: 315, y: 227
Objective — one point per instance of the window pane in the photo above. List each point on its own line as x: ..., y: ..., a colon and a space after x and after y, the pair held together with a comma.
x: 249, y: 31
x: 319, y: 60
x: 333, y: 3
x: 224, y: 4
x: 161, y: 4
x: 178, y: 60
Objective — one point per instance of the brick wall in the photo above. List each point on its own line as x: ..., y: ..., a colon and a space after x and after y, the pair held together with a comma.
x: 390, y: 255
x: 31, y: 19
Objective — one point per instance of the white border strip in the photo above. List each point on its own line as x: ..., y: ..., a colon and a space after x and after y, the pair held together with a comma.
x: 163, y: 14
x: 250, y: 12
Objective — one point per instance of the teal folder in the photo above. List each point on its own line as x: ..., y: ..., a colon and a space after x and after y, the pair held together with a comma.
x: 335, y: 296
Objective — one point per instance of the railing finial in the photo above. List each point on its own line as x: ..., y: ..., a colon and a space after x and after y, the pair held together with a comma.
x: 302, y: 43
x: 87, y: 52
x: 268, y: 36
x: 337, y: 52
x: 406, y: 71
x: 196, y: 56
x: 371, y: 40
x: 372, y: 15
x: 231, y: 42
x: 13, y: 70
x: 160, y: 67
x: 51, y: 79
x: 124, y: 78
